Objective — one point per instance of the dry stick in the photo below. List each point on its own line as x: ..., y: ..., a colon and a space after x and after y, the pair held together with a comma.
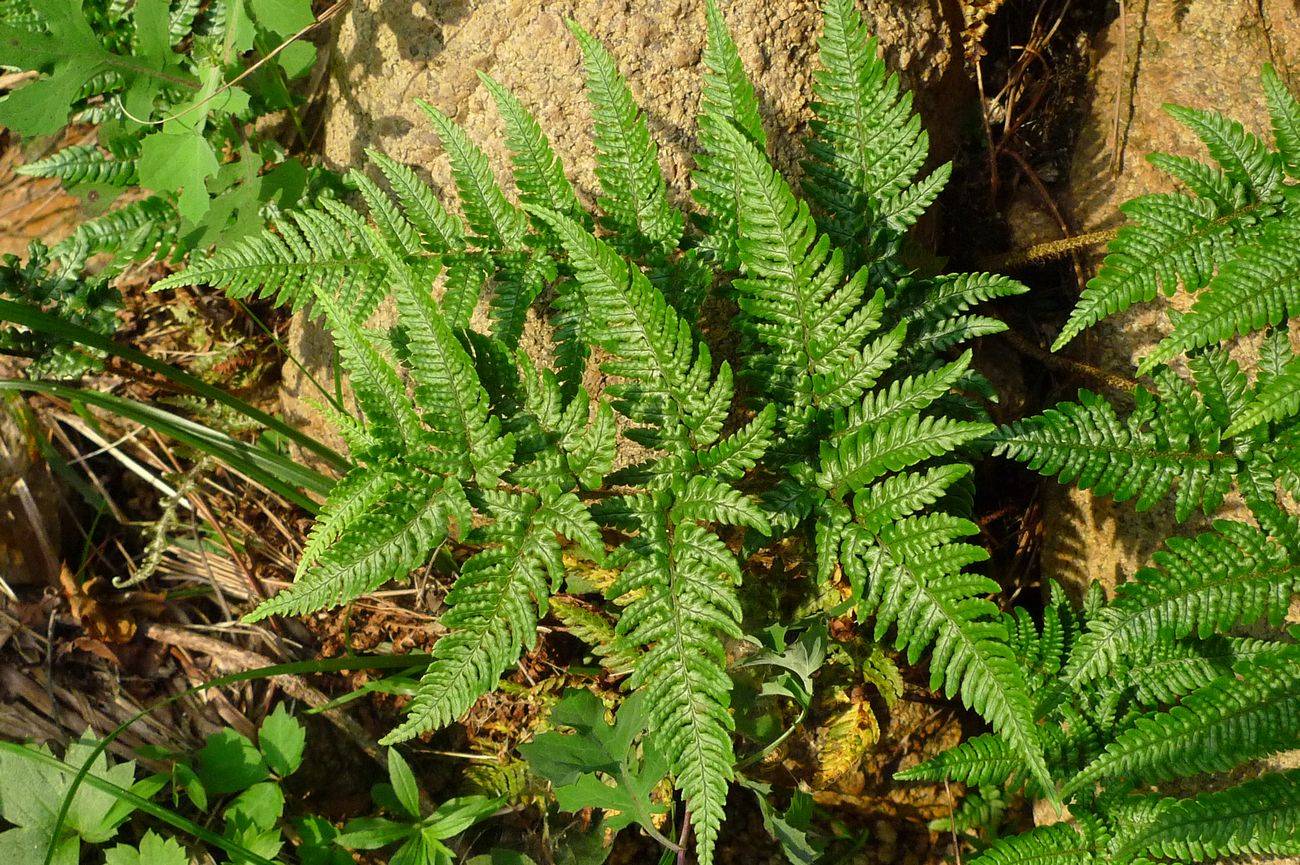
x: 232, y: 659
x: 1117, y: 154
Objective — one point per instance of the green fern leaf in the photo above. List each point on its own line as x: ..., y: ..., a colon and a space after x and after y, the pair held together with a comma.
x: 1057, y: 844
x: 1202, y: 585
x: 670, y: 380
x: 868, y: 144
x: 1171, y: 240
x: 1259, y: 286
x: 440, y: 232
x: 80, y: 164
x: 1285, y: 113
x: 392, y: 538
x: 910, y: 576
x: 726, y: 97
x: 985, y: 760
x: 497, y: 222
x: 538, y: 172
x: 447, y: 389
x: 1154, y: 451
x: 493, y: 606
x: 1243, y: 157
x: 1255, y: 818
x: 633, y: 196
x: 683, y: 594
x: 1230, y: 721
x: 312, y: 250
x: 1278, y: 400
x: 905, y: 440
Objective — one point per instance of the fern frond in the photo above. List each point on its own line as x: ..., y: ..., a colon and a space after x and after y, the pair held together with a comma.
x: 1277, y: 400
x: 1169, y: 670
x: 1160, y: 447
x: 355, y: 494
x: 1259, y: 286
x: 1243, y: 157
x: 1202, y: 586
x: 493, y: 606
x: 910, y: 577
x: 792, y: 297
x: 1056, y: 844
x: 1171, y: 240
x: 739, y: 452
x: 670, y: 379
x: 726, y: 97
x: 135, y: 231
x: 634, y: 195
x: 500, y: 224
x: 910, y: 395
x: 868, y: 144
x: 1255, y: 818
x: 82, y: 163
x: 1284, y: 111
x: 539, y: 176
x: 378, y: 386
x: 683, y: 590
x: 901, y: 495
x: 392, y: 538
x: 1230, y: 721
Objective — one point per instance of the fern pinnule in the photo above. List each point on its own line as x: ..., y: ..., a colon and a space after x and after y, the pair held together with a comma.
x: 440, y: 232
x: 447, y: 388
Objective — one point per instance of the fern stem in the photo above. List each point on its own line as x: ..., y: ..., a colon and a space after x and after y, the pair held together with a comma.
x: 1110, y: 379
x: 1051, y: 250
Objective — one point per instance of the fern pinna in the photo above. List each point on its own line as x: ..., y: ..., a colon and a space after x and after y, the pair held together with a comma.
x: 846, y: 415
x: 1156, y: 685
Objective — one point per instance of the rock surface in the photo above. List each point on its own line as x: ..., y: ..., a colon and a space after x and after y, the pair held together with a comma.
x: 1208, y: 55
x: 390, y: 54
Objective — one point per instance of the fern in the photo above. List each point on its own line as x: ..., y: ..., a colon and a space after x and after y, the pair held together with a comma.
x: 1256, y: 818
x: 1227, y: 722
x: 1150, y: 688
x: 634, y: 196
x: 1210, y: 236
x: 847, y: 447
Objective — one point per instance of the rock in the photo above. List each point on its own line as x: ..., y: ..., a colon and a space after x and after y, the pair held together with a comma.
x: 388, y: 54
x: 1208, y: 55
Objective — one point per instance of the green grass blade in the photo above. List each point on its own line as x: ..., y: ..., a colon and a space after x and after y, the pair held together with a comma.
x: 279, y: 474
x: 40, y: 322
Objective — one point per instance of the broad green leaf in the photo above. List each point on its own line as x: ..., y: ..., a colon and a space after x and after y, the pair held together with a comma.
x: 282, y: 740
